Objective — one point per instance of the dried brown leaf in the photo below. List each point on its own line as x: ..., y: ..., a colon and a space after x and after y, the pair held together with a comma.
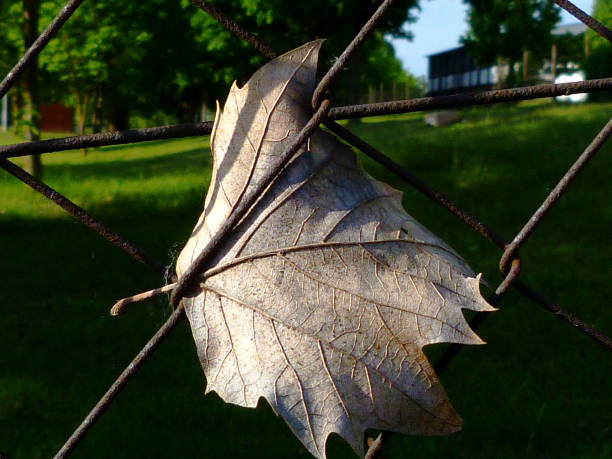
x: 325, y: 294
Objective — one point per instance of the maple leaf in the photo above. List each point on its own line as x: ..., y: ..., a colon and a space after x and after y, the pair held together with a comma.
x: 325, y: 293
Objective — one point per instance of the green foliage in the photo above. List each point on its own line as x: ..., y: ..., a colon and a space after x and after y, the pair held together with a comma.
x: 11, y: 38
x: 507, y: 28
x: 599, y: 62
x: 132, y: 56
x: 113, y: 60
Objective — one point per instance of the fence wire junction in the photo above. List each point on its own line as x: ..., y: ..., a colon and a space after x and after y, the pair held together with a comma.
x: 323, y: 113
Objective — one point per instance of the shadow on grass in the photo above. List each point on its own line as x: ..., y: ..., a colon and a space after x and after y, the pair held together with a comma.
x: 133, y: 167
x: 538, y: 389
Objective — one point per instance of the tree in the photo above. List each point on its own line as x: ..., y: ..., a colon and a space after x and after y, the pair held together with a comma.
x: 514, y: 30
x: 113, y: 59
x: 165, y: 59
x: 571, y: 50
x: 19, y: 30
x: 10, y: 37
x: 599, y: 60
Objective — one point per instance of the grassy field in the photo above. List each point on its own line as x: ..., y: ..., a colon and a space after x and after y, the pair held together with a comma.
x: 538, y: 389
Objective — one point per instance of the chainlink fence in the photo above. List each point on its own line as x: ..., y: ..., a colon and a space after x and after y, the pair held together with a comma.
x: 323, y: 113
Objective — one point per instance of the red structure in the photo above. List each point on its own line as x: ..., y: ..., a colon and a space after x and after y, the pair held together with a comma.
x: 56, y: 118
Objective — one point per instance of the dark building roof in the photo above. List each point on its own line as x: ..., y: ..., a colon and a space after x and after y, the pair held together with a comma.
x: 446, y: 51
x: 455, y: 70
x: 574, y: 29
x: 451, y: 62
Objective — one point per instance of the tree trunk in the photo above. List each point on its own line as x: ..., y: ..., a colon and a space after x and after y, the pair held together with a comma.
x: 500, y: 73
x: 31, y: 93
x: 81, y: 109
x: 355, y: 81
x: 97, y: 114
x: 511, y: 77
x: 118, y: 117
x: 525, y: 66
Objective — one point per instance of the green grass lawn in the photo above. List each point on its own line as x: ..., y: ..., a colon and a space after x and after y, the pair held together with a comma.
x: 538, y: 389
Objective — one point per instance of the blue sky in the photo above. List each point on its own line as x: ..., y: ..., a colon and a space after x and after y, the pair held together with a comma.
x: 440, y: 24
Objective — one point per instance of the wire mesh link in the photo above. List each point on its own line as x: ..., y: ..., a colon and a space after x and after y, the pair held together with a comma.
x: 39, y: 45
x: 322, y: 114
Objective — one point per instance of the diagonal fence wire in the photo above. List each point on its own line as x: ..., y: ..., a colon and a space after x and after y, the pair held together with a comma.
x: 83, y: 216
x: 235, y: 28
x: 121, y: 381
x: 555, y: 195
x: 586, y: 19
x: 39, y: 44
x: 368, y: 110
x: 348, y: 52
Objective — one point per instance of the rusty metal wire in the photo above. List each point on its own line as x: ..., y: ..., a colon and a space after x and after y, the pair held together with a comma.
x: 586, y: 19
x: 323, y: 114
x: 560, y: 313
x: 235, y: 28
x: 417, y: 183
x: 466, y: 100
x: 120, y: 382
x: 105, y: 139
x: 349, y: 51
x: 199, y: 264
x: 39, y: 44
x: 335, y: 113
x: 555, y: 195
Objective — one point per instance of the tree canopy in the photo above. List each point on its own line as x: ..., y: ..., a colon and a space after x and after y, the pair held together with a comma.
x: 164, y: 58
x: 507, y: 28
